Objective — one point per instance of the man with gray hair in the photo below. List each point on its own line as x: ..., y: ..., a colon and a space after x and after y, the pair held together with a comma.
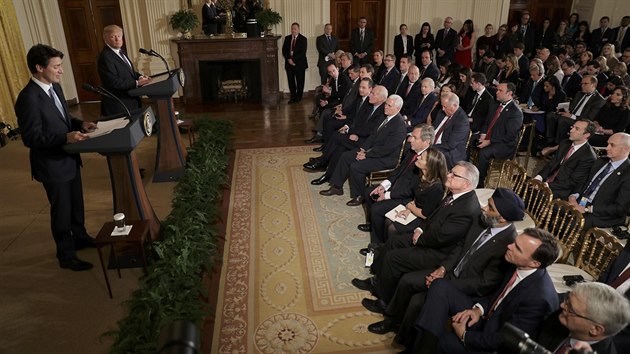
x: 426, y: 102
x: 451, y: 130
x: 592, y: 313
x: 532, y: 91
x: 380, y: 151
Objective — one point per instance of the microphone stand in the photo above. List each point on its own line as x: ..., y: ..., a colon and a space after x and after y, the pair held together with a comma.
x: 103, y: 92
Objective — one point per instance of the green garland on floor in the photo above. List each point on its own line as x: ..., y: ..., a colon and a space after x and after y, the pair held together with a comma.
x: 172, y: 288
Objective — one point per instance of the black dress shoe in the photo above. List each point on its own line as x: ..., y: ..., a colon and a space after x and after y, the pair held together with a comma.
x: 356, y: 201
x: 383, y: 327
x: 316, y: 139
x: 84, y: 242
x: 75, y: 264
x: 364, y: 251
x: 365, y: 227
x: 332, y: 191
x: 321, y: 180
x: 311, y: 159
x: 316, y: 165
x: 319, y: 148
x: 376, y: 306
x: 368, y: 284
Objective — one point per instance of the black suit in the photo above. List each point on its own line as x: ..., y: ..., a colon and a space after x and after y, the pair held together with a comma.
x: 444, y: 233
x: 454, y: 136
x: 482, y: 274
x: 622, y: 339
x: 523, y: 67
x: 599, y: 37
x: 399, y: 50
x: 209, y: 22
x: 553, y: 334
x: 534, y: 92
x: 447, y: 43
x: 563, y: 125
x: 431, y: 71
x: 625, y: 41
x: 422, y: 110
x: 44, y: 130
x: 390, y: 80
x: 117, y: 77
x: 571, y: 84
x: 528, y: 39
x: 358, y: 47
x: 525, y: 306
x: 325, y: 46
x: 572, y: 172
x: 295, y: 73
x: 504, y: 136
x: 612, y: 201
x: 480, y: 111
x: 411, y: 96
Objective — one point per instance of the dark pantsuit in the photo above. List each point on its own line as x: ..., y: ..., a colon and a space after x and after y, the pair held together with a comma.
x: 295, y: 77
x: 377, y: 219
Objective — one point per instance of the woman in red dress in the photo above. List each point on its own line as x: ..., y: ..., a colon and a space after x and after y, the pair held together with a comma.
x: 463, y: 52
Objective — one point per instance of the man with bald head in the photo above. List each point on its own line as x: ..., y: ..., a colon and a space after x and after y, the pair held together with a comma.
x: 410, y: 91
x: 451, y: 130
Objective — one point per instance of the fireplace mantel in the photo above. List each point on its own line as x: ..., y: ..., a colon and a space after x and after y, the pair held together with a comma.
x: 265, y: 49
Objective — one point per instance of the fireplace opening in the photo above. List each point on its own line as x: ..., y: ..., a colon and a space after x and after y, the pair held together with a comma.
x: 229, y: 81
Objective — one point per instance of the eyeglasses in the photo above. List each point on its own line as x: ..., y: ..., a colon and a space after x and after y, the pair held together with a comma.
x: 456, y: 175
x: 570, y: 311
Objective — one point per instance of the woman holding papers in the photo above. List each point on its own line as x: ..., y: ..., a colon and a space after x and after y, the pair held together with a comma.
x: 427, y: 196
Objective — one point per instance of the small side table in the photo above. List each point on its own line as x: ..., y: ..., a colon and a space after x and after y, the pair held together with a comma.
x: 137, y: 235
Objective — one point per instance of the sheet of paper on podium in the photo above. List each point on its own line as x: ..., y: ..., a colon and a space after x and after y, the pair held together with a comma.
x: 106, y: 127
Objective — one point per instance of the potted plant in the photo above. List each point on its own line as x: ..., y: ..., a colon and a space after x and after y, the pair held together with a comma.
x: 184, y: 21
x: 267, y: 18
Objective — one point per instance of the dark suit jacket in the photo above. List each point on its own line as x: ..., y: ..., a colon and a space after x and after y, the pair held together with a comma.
x: 116, y: 77
x: 384, y: 144
x: 355, y: 42
x: 572, y: 86
x: 390, y: 80
x: 572, y: 173
x: 422, y: 110
x: 351, y: 96
x: 536, y: 95
x: 398, y: 46
x: 410, y: 100
x: 208, y: 19
x: 44, y: 131
x: 486, y: 267
x: 405, y: 178
x: 481, y: 111
x: 299, y: 52
x: 431, y: 71
x: 599, y: 37
x: 506, y: 130
x: 454, y: 136
x: 447, y: 44
x: 325, y: 47
x: 591, y: 108
x: 338, y: 92
x: 612, y: 201
x: 523, y: 67
x: 529, y: 40
x: 625, y: 41
x: 553, y: 333
x: 622, y: 339
x: 366, y: 122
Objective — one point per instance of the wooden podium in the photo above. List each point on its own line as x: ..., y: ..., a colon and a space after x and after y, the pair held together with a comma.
x: 170, y: 159
x: 128, y: 191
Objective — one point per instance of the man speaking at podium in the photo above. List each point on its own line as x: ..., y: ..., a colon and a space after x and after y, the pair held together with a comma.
x: 117, y: 73
x: 46, y: 126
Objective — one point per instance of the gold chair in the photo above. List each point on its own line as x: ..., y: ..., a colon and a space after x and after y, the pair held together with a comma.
x: 565, y: 223
x: 474, y: 153
x: 379, y: 176
x: 530, y: 142
x: 506, y: 174
x: 537, y: 197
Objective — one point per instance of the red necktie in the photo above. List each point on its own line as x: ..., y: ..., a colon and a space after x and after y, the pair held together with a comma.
x: 292, y: 45
x: 564, y: 348
x: 502, y: 295
x: 621, y: 278
x: 438, y: 134
x: 555, y: 173
x: 493, y: 121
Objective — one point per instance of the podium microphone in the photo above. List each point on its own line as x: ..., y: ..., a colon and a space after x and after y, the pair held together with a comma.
x: 153, y: 53
x: 103, y: 92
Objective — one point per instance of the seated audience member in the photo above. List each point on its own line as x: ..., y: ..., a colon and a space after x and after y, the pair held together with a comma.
x: 613, y: 82
x: 552, y: 66
x: 621, y: 70
x: 481, y: 51
x: 571, y: 80
x: 604, y: 198
x: 591, y: 313
x: 617, y: 275
x: 585, y: 105
x: 594, y: 68
x: 445, y: 75
x: 508, y: 70
x: 403, y: 67
x: 571, y: 164
x: 427, y: 67
x: 499, y: 135
x: 410, y: 91
x: 391, y: 75
x: 553, y: 94
x: 476, y: 269
x: 377, y: 63
x: 443, y: 233
x: 479, y: 103
x: 399, y: 187
x: 532, y: 90
x: 489, y: 67
x: 363, y: 124
x: 613, y: 117
x: 522, y: 60
x: 451, y: 129
x: 380, y: 151
x: 525, y: 298
x: 463, y: 86
x: 427, y: 102
x: 427, y: 195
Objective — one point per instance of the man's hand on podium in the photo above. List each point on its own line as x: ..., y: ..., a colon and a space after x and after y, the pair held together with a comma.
x: 143, y: 80
x: 74, y: 137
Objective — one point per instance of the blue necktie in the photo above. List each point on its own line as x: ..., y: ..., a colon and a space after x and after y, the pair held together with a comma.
x: 471, y: 251
x: 597, y: 181
x: 53, y: 96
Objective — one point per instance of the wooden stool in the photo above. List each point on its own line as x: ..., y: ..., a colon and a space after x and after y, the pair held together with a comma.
x: 188, y: 127
x: 137, y: 236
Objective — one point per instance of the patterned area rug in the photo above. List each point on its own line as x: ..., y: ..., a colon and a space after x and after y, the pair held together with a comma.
x: 289, y: 257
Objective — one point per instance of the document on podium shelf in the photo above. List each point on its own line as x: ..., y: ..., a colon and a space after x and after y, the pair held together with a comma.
x: 107, y: 126
x: 392, y: 215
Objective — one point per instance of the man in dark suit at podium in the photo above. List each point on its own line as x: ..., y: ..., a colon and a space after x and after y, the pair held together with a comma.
x: 117, y: 73
x: 46, y: 126
x: 295, y: 63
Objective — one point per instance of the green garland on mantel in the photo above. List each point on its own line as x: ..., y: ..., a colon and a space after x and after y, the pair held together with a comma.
x: 173, y: 289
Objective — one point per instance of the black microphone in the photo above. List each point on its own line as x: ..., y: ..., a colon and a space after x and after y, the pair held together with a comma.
x: 103, y: 92
x: 153, y: 53
x: 147, y: 52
